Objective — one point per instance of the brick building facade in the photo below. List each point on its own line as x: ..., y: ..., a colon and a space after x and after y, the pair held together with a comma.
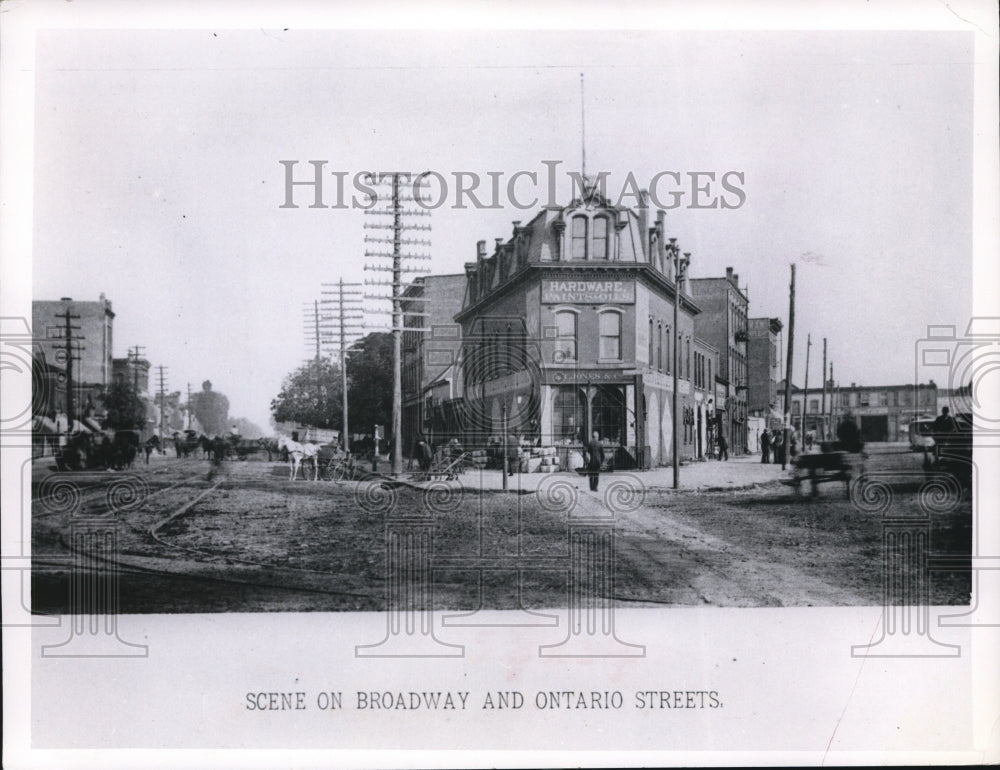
x: 723, y: 324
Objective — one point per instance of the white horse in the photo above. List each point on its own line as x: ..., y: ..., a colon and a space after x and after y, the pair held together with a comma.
x: 297, y: 453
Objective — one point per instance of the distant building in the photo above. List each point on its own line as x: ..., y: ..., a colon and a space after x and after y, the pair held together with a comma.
x: 882, y: 412
x: 763, y: 369
x: 722, y: 323
x: 90, y: 341
x: 133, y: 370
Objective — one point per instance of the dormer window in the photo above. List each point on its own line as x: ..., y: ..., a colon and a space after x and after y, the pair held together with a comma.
x: 600, y: 238
x: 579, y: 237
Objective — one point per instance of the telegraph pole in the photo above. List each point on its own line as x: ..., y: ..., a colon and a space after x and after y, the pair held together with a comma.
x: 805, y: 399
x: 345, y: 323
x: 822, y: 406
x: 189, y: 407
x: 393, y: 207
x: 163, y: 402
x: 134, y: 353
x: 788, y: 370
x: 68, y: 330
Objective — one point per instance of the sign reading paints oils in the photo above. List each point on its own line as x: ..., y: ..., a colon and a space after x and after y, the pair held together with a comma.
x: 579, y: 292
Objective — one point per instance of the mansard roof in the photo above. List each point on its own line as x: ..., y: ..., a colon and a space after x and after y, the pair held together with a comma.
x: 608, y: 236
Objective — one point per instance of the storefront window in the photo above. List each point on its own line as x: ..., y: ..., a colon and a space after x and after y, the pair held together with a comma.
x: 567, y: 414
x: 566, y: 336
x: 607, y: 412
x: 611, y: 335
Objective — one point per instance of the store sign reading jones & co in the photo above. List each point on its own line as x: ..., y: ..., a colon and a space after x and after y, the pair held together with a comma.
x: 556, y: 291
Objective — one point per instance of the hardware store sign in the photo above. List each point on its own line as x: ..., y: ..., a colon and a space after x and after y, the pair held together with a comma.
x: 556, y: 291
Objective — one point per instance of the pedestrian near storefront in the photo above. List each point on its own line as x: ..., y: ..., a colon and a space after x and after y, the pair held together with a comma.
x: 777, y: 445
x: 765, y: 446
x: 723, y: 447
x: 593, y: 456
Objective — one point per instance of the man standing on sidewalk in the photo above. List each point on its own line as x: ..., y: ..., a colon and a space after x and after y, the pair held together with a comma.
x: 765, y: 447
x: 723, y: 447
x: 594, y: 456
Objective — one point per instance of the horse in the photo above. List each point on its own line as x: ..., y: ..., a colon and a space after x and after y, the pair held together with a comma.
x: 297, y: 453
x: 153, y: 442
x: 124, y: 448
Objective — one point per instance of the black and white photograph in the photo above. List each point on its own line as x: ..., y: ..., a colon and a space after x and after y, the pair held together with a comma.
x: 539, y: 384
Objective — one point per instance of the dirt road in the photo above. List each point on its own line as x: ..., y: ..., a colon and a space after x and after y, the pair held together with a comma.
x: 253, y: 541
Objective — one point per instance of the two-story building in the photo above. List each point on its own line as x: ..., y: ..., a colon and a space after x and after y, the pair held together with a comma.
x: 568, y: 328
x: 882, y: 412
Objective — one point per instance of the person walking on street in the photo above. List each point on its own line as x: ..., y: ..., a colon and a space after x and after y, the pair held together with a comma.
x: 513, y: 455
x: 593, y: 455
x: 723, y: 447
x: 424, y: 455
x: 765, y: 447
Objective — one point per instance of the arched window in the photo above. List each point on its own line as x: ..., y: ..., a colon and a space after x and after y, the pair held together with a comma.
x: 600, y: 238
x: 567, y: 414
x: 579, y: 237
x: 659, y: 348
x: 565, y: 336
x: 652, y: 343
x: 611, y: 335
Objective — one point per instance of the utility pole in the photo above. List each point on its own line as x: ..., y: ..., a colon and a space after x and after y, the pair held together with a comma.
x: 675, y: 253
x: 345, y: 323
x: 822, y: 406
x: 805, y: 399
x: 68, y: 330
x: 163, y: 402
x: 833, y: 404
x: 133, y: 355
x: 392, y: 206
x: 189, y: 408
x: 788, y: 370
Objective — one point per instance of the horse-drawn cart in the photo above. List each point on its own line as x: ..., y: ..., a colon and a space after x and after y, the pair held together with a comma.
x: 447, y: 467
x: 831, y: 463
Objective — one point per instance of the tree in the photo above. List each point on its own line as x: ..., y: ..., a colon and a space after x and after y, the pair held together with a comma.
x: 246, y: 428
x: 211, y: 408
x: 369, y: 388
x: 125, y: 410
x: 310, y: 395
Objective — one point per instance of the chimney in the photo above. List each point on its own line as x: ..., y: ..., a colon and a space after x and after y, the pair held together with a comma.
x: 729, y: 273
x: 499, y: 243
x: 480, y: 251
x: 644, y: 223
x: 736, y: 280
x: 661, y: 239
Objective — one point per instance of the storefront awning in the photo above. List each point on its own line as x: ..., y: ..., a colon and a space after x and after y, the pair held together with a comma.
x: 92, y: 424
x: 79, y: 427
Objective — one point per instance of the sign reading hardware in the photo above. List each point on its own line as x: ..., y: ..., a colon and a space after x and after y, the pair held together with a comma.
x: 555, y: 291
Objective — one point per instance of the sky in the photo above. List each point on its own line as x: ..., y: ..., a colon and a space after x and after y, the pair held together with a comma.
x: 157, y: 174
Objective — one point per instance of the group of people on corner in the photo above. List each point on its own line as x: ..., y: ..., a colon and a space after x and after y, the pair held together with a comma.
x: 773, y: 449
x: 593, y: 456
